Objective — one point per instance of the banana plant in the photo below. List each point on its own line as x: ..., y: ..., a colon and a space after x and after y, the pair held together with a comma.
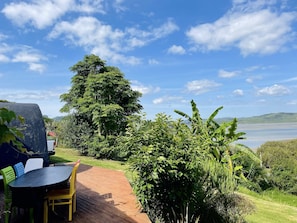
x: 217, y: 137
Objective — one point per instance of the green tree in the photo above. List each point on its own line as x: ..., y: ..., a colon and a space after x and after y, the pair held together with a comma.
x: 100, y: 98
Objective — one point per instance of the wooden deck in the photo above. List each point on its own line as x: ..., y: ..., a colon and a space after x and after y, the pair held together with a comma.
x: 103, y: 196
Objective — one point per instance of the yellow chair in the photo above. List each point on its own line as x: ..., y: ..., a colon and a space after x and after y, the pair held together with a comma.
x: 8, y: 176
x: 65, y: 196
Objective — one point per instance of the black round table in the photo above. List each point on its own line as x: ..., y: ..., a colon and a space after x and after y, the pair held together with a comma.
x: 42, y: 178
x: 29, y: 190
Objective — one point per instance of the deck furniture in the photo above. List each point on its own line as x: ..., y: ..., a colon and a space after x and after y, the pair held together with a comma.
x: 33, y: 164
x: 65, y: 196
x: 8, y: 176
x: 19, y: 169
x: 29, y: 190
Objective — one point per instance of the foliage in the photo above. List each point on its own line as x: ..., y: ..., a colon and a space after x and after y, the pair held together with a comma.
x: 252, y: 173
x: 74, y: 132
x: 218, y: 138
x: 270, y: 206
x: 51, y: 125
x: 185, y: 171
x: 100, y: 100
x: 241, y: 161
x: 280, y: 158
x: 9, y: 134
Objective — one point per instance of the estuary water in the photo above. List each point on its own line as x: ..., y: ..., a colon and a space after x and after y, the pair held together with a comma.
x: 258, y: 134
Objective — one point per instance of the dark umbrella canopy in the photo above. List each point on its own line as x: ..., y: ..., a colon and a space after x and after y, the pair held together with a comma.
x: 34, y: 135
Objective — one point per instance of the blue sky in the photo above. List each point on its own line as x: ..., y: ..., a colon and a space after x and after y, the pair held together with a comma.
x: 239, y: 54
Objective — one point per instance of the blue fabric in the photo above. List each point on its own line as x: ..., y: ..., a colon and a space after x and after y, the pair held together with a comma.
x: 19, y: 169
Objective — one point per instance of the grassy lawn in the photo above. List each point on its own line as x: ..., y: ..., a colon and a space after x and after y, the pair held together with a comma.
x: 271, y: 212
x: 70, y: 155
x: 271, y: 206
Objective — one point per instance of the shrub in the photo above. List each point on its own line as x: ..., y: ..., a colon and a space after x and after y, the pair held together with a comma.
x: 185, y: 172
x: 280, y: 159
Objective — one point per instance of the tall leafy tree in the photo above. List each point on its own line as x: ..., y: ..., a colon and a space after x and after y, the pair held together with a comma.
x: 100, y: 97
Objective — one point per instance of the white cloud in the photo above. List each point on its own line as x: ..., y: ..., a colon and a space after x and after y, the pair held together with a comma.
x: 30, y: 56
x: 4, y: 51
x: 252, y: 68
x: 227, y: 74
x: 3, y: 37
x: 238, y: 92
x: 251, y: 26
x: 89, y: 6
x: 153, y: 62
x: 136, y: 86
x: 3, y: 58
x: 22, y: 54
x: 21, y: 95
x: 38, y: 13
x: 176, y: 50
x: 292, y: 79
x: 37, y: 67
x: 252, y: 79
x: 275, y: 90
x: 167, y: 99
x: 26, y: 55
x: 118, y: 6
x: 47, y: 100
x: 138, y: 37
x: 201, y: 86
x: 106, y: 42
x: 164, y: 30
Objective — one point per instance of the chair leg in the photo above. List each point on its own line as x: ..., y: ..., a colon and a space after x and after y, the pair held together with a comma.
x: 45, y: 211
x: 52, y: 203
x: 31, y: 215
x: 8, y: 212
x: 70, y: 211
x: 74, y: 203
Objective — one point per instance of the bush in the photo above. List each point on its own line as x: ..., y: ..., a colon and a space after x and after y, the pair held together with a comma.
x: 184, y: 172
x: 280, y: 159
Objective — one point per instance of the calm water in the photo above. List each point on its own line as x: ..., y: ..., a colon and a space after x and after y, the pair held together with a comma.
x: 257, y: 134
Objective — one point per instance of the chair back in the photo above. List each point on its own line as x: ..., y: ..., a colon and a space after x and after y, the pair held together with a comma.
x: 8, y: 176
x: 73, y: 178
x: 19, y: 169
x: 33, y: 164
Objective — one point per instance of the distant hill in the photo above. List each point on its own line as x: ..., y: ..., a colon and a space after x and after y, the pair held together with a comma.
x: 58, y: 118
x: 280, y: 117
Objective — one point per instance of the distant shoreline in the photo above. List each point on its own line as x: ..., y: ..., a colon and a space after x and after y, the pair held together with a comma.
x: 280, y: 117
x: 259, y: 133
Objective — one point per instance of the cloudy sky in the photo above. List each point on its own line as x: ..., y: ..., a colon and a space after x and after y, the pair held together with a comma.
x: 239, y: 54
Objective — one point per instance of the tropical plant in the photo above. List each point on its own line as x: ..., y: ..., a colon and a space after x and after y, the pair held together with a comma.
x: 216, y: 137
x: 185, y: 169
